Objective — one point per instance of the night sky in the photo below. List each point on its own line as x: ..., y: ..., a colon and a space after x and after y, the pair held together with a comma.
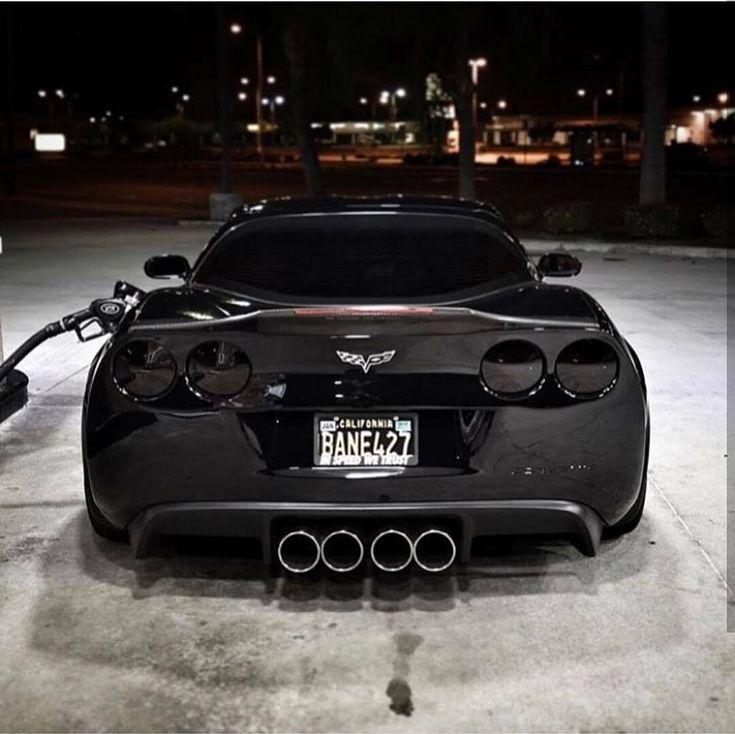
x: 126, y: 57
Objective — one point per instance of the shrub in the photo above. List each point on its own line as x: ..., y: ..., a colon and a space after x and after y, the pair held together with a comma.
x: 652, y: 220
x: 719, y: 222
x: 568, y: 217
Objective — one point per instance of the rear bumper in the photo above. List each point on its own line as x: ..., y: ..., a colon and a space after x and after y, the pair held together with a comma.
x: 474, y: 519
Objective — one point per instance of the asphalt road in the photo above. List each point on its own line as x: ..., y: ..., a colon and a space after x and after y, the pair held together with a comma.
x: 535, y: 638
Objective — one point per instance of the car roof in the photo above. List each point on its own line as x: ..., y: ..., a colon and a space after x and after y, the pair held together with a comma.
x: 338, y: 204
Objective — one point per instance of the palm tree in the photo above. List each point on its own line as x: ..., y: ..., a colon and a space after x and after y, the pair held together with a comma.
x: 465, y: 118
x: 653, y: 163
x: 295, y: 46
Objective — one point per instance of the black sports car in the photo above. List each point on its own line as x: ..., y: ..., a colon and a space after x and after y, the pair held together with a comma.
x: 354, y: 381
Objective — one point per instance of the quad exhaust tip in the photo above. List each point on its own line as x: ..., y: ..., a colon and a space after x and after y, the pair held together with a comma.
x: 434, y: 550
x: 299, y: 551
x: 391, y: 550
x: 342, y: 551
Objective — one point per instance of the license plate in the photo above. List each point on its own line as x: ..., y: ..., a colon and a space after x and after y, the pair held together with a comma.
x: 366, y: 440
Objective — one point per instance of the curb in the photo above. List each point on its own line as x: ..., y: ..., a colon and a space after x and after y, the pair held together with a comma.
x: 539, y: 247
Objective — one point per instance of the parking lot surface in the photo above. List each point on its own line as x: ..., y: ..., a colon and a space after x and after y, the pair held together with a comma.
x: 532, y: 637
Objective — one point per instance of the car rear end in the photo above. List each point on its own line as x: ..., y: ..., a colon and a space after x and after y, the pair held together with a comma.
x: 372, y: 431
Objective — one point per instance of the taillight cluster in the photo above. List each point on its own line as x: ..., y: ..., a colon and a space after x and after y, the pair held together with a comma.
x: 145, y: 370
x: 516, y: 369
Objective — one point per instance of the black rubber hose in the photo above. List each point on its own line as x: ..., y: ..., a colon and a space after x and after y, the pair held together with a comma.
x: 52, y: 329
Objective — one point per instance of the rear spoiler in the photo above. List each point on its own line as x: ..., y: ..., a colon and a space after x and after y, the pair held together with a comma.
x: 342, y: 319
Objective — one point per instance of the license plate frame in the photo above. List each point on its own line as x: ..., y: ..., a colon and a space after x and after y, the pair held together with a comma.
x: 380, y: 462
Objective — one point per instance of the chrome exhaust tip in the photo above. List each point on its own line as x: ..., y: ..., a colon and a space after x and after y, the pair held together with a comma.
x: 391, y: 550
x: 342, y: 551
x: 434, y: 550
x: 299, y: 551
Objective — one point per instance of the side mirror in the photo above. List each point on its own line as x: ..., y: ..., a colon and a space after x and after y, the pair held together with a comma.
x: 167, y: 266
x: 559, y: 265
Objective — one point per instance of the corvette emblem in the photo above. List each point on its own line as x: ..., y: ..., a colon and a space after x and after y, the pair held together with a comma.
x: 366, y: 362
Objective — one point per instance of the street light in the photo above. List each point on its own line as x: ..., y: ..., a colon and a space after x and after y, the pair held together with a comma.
x: 242, y: 96
x: 174, y: 90
x: 390, y: 98
x: 270, y: 80
x: 696, y: 98
x: 92, y: 120
x: 279, y: 100
x: 723, y: 97
x: 363, y: 100
x: 502, y: 104
x: 60, y: 93
x: 244, y: 81
x: 483, y: 105
x: 185, y: 97
x: 42, y: 93
x: 235, y: 28
x: 581, y: 92
x: 476, y: 65
x: 609, y: 91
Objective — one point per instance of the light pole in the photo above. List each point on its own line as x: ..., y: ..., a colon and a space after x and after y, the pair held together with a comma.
x: 259, y: 97
x: 476, y: 65
x: 391, y: 99
x: 272, y: 103
x: 582, y: 92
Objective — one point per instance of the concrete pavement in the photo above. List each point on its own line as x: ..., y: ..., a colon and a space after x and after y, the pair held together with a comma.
x: 535, y: 638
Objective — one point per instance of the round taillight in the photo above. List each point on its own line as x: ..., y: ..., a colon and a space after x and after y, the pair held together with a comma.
x: 218, y: 369
x: 144, y: 369
x: 512, y: 369
x: 587, y: 368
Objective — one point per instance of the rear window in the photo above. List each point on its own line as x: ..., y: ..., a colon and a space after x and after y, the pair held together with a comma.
x: 363, y: 257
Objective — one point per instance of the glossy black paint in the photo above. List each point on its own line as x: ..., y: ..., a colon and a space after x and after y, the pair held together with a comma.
x: 477, y: 446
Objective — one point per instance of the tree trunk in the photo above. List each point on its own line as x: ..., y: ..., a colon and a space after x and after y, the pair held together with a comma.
x: 653, y: 162
x: 10, y: 186
x: 225, y: 103
x: 465, y: 118
x: 295, y: 43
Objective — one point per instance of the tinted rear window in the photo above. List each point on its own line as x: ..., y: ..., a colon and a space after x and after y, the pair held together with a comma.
x: 361, y: 257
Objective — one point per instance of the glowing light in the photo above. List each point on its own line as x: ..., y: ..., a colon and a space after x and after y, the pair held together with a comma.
x: 581, y: 92
x: 242, y: 96
x: 174, y: 90
x: 50, y: 142
x: 185, y: 97
x: 41, y: 93
x: 696, y: 98
x: 265, y: 101
x: 271, y: 80
x: 400, y: 92
x: 609, y: 91
x: 480, y: 63
x: 363, y: 100
x: 92, y: 120
x: 502, y: 104
x: 280, y: 100
x: 244, y: 80
x: 722, y: 97
x: 60, y: 93
x: 235, y: 28
x: 483, y: 105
